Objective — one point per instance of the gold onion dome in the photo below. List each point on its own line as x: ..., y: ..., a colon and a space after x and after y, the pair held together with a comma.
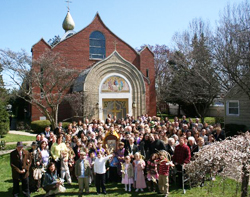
x: 68, y: 23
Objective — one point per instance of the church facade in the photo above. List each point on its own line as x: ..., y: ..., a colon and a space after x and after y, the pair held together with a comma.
x: 113, y: 77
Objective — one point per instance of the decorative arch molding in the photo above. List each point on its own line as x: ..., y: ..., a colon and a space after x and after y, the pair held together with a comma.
x: 115, y: 65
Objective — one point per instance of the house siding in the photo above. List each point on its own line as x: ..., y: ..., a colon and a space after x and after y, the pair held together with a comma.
x: 244, y: 108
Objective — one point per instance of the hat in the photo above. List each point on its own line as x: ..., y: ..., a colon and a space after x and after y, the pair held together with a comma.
x: 34, y: 144
x: 19, y: 144
x: 82, y: 153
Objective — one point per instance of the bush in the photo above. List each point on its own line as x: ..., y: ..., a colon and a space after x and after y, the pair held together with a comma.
x: 65, y: 125
x: 38, y: 126
x: 233, y: 129
x: 23, y: 125
x: 4, y: 119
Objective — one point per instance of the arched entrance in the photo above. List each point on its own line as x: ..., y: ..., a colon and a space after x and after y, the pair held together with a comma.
x: 113, y: 86
x: 115, y: 96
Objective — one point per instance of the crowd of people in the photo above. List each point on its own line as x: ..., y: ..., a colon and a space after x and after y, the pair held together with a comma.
x: 147, y: 150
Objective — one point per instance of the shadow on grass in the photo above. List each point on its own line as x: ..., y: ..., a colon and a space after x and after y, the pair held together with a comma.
x: 113, y: 189
x: 6, y: 194
x: 8, y: 181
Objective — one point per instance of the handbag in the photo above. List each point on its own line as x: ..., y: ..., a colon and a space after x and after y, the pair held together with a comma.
x: 37, y: 173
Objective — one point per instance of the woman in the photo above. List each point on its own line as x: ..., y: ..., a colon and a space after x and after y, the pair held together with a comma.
x: 56, y: 150
x: 45, y: 154
x: 74, y: 141
x: 51, y: 184
x: 35, y: 168
x: 77, y: 149
x: 91, y: 147
x: 144, y: 146
x: 83, y: 140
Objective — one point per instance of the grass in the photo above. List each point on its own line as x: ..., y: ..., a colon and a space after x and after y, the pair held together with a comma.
x: 12, y: 146
x: 16, y: 138
x: 117, y: 189
x: 209, y: 120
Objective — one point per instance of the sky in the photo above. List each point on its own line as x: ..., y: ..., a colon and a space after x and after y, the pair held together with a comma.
x: 24, y: 22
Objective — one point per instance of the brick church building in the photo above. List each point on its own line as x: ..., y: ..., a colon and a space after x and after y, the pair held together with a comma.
x: 114, y: 77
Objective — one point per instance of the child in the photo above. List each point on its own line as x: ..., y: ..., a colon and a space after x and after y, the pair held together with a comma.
x: 164, y: 165
x: 139, y: 166
x: 65, y: 167
x: 91, y: 158
x: 127, y: 173
x: 71, y: 156
x: 152, y: 172
x: 82, y: 173
x: 99, y: 171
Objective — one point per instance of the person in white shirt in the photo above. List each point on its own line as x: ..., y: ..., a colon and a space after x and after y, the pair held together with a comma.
x: 99, y: 171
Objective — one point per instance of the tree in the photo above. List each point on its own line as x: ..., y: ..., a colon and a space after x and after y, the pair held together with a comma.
x: 44, y: 84
x: 231, y: 48
x: 162, y: 74
x: 192, y: 81
x: 4, y: 116
x: 228, y: 158
x: 79, y: 103
x: 54, y: 41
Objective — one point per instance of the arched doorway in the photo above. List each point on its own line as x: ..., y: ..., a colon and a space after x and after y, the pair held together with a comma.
x: 115, y: 96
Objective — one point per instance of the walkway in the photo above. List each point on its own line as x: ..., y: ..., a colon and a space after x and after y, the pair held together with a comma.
x: 28, y: 143
x: 21, y: 133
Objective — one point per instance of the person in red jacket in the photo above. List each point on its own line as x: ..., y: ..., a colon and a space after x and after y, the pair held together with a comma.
x: 182, y: 156
x: 164, y: 164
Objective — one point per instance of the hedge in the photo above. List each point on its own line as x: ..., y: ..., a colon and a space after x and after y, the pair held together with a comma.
x: 4, y: 119
x: 65, y: 125
x: 38, y: 126
x: 234, y: 129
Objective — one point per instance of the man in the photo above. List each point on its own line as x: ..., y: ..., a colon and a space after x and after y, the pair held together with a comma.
x: 156, y: 144
x: 182, y: 156
x: 20, y: 162
x: 184, y: 120
x: 170, y: 146
x: 99, y: 171
x: 132, y: 148
x: 47, y: 132
x: 82, y: 172
x: 84, y: 130
x: 219, y: 135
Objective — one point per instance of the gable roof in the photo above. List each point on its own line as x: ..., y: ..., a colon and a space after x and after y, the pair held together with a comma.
x: 41, y: 40
x: 98, y: 18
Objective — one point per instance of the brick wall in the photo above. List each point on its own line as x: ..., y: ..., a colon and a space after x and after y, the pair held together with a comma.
x: 75, y: 50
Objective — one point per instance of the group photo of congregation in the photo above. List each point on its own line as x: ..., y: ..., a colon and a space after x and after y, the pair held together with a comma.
x: 125, y: 98
x: 146, y: 154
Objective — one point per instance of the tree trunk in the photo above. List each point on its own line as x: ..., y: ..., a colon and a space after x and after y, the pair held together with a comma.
x: 245, y: 181
x: 179, y: 110
x: 55, y: 117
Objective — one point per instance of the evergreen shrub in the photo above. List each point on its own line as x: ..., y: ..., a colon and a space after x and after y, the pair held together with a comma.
x: 4, y: 119
x: 38, y: 126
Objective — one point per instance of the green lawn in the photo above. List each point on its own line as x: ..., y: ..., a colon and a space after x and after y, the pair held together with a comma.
x: 209, y: 120
x: 12, y: 146
x: 16, y: 138
x: 117, y: 189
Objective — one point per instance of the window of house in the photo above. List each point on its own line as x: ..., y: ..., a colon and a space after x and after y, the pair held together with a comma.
x: 233, y: 107
x: 97, y: 49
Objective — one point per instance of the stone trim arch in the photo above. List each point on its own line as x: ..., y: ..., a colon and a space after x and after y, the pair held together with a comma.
x: 114, y: 64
